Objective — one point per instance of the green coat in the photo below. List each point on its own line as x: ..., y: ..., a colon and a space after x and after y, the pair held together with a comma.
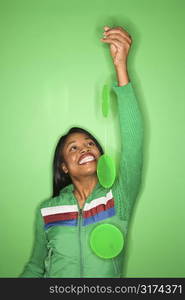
x: 62, y: 246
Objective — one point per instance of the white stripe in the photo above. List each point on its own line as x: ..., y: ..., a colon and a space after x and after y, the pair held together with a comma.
x: 98, y: 201
x: 58, y: 209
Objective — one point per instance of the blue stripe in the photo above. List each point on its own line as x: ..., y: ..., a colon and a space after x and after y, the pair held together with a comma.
x: 101, y: 216
x: 64, y: 223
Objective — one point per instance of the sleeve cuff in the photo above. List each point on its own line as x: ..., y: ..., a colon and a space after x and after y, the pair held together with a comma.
x: 121, y: 89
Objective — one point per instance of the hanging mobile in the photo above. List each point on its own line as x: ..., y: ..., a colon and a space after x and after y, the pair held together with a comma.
x: 106, y: 170
x: 105, y: 100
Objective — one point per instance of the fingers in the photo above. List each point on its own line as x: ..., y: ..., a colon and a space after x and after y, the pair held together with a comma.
x: 118, y: 34
x: 118, y: 37
x: 114, y: 42
x: 118, y: 30
x: 121, y: 30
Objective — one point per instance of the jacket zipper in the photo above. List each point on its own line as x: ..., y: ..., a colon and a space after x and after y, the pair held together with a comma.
x: 80, y: 220
x: 80, y: 224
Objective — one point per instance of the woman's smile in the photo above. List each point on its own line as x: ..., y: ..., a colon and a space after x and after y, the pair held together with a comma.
x: 88, y: 157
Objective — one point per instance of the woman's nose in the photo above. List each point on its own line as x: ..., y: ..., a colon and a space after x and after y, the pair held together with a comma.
x: 85, y: 149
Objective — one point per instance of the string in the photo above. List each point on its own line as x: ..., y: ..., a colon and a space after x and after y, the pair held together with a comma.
x: 105, y: 136
x: 106, y: 129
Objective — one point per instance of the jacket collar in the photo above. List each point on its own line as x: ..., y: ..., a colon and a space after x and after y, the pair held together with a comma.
x: 69, y: 188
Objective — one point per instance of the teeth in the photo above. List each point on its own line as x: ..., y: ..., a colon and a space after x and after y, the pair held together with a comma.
x: 86, y: 159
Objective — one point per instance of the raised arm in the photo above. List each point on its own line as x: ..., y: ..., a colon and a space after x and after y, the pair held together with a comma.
x: 131, y: 126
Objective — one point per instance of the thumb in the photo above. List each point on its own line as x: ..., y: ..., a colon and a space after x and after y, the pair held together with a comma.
x: 106, y: 28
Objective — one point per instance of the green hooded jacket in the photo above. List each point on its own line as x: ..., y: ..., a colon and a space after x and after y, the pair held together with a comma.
x: 62, y: 239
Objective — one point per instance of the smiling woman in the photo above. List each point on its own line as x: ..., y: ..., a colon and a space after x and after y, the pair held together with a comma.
x: 68, y: 168
x: 80, y: 230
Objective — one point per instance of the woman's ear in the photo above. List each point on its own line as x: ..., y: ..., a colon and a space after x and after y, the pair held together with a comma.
x: 64, y: 168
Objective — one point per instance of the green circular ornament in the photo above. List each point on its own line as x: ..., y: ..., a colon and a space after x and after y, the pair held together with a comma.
x: 106, y: 241
x: 105, y: 100
x: 106, y: 171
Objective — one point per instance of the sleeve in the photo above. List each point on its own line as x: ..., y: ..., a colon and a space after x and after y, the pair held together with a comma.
x: 35, y: 265
x: 128, y: 180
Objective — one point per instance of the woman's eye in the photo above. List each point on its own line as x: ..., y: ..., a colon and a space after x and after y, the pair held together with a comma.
x: 91, y: 143
x: 73, y: 147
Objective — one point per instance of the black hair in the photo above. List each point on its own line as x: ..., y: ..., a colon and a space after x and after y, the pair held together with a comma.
x: 60, y: 178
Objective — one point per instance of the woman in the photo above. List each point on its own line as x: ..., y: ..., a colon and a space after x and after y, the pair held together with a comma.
x: 79, y: 204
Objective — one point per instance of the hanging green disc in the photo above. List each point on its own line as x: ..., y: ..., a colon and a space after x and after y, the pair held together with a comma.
x: 106, y: 171
x: 105, y: 100
x: 106, y: 240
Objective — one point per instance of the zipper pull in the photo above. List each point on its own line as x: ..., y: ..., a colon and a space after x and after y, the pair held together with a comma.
x: 80, y: 212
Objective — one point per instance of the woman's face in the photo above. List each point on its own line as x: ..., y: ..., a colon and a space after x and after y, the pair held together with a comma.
x: 80, y: 155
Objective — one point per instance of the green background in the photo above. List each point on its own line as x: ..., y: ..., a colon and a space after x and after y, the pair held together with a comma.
x: 52, y: 70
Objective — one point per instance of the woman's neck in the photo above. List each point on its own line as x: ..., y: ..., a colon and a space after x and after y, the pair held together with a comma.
x: 82, y: 189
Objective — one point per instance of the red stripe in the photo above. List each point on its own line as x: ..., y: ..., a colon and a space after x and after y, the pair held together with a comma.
x: 95, y: 210
x: 60, y: 217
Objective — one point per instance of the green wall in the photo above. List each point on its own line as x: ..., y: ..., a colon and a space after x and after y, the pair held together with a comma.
x: 52, y: 70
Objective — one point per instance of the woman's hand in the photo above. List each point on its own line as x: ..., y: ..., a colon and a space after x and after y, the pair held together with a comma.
x: 120, y: 43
